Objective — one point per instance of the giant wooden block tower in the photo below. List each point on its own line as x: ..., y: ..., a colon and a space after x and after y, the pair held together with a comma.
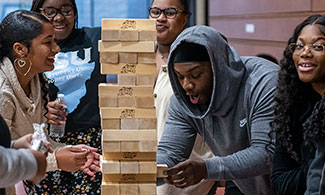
x: 128, y: 115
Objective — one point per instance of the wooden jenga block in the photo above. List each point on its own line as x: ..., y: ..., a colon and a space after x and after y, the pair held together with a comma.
x: 126, y: 79
x: 127, y: 123
x: 145, y: 102
x: 129, y: 135
x: 148, y: 35
x: 129, y: 167
x: 129, y: 155
x: 129, y: 35
x: 160, y: 169
x: 147, y: 188
x: 127, y: 112
x: 110, y: 188
x: 109, y: 57
x: 110, y: 35
x: 131, y: 58
x: 110, y: 123
x: 147, y: 167
x: 148, y: 146
x: 130, y: 146
x: 130, y: 24
x: 124, y: 101
x: 145, y: 80
x: 107, y: 89
x: 144, y: 69
x: 129, y: 189
x: 107, y: 101
x: 141, y: 47
x: 111, y: 146
x: 129, y: 177
x: 145, y: 123
x: 110, y: 167
x: 147, y: 58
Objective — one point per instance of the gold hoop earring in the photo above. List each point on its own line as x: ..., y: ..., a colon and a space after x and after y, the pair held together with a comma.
x: 20, y: 64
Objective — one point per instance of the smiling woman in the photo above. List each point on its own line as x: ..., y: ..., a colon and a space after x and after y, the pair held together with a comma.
x: 27, y: 49
x: 300, y: 111
x: 76, y: 75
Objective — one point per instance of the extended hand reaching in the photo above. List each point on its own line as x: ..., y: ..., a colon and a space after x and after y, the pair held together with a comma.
x: 92, y: 164
x: 187, y: 173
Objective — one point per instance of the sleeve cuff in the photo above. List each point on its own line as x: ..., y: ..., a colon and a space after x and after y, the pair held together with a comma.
x: 214, y: 168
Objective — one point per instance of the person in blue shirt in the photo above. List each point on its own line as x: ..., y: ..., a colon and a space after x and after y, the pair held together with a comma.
x: 76, y: 75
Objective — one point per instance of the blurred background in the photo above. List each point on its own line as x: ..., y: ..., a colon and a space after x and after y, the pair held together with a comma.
x: 252, y: 26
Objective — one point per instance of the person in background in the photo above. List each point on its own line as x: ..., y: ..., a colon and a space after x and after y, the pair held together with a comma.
x: 300, y: 110
x: 76, y: 75
x: 228, y: 100
x: 17, y: 160
x: 172, y: 16
x: 27, y: 50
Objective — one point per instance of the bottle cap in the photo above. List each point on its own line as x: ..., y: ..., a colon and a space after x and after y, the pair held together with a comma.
x: 60, y: 95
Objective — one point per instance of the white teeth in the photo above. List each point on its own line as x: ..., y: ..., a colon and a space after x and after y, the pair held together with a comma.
x: 305, y: 65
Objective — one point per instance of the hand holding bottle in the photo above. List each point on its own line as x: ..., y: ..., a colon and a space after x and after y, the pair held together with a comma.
x: 57, y: 116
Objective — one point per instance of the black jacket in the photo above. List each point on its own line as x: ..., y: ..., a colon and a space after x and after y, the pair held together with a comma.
x: 288, y: 175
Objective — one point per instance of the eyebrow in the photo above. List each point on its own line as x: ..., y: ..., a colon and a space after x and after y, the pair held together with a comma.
x: 60, y: 6
x: 314, y: 40
x: 48, y: 36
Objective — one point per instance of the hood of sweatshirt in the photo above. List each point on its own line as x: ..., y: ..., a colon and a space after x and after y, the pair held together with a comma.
x: 227, y: 68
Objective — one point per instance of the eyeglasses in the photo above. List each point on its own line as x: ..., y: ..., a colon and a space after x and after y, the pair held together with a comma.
x: 51, y: 12
x: 170, y: 12
x: 299, y: 48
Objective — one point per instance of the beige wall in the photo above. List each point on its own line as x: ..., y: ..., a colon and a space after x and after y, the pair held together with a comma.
x: 260, y: 26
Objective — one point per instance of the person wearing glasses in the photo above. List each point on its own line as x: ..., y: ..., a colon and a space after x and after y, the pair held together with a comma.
x: 76, y: 75
x: 172, y: 17
x: 300, y: 111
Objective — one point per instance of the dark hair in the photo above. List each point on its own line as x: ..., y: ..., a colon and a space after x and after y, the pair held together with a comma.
x: 22, y: 26
x: 19, y: 26
x: 185, y: 5
x: 291, y: 89
x: 37, y: 4
x: 268, y: 57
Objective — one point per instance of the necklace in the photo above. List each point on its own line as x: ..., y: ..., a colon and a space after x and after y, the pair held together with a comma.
x: 163, y: 51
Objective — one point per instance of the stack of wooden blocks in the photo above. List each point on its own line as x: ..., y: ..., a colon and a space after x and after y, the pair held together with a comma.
x: 128, y: 115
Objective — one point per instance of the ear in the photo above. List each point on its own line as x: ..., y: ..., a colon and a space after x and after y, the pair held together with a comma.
x: 20, y: 50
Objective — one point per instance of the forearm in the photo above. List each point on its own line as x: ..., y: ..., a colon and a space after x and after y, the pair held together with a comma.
x: 16, y: 165
x: 51, y: 158
x: 247, y: 163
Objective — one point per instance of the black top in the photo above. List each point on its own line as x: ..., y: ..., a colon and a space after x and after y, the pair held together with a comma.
x: 4, y: 133
x: 4, y: 140
x: 77, y: 75
x: 288, y: 175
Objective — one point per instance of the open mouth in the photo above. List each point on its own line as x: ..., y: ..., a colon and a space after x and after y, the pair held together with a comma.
x: 306, y: 67
x: 51, y: 59
x: 59, y: 27
x: 194, y: 99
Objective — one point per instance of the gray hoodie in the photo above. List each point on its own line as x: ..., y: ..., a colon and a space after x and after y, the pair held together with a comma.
x: 236, y: 122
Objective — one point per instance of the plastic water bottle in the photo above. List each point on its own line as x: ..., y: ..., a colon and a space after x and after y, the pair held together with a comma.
x: 58, y: 131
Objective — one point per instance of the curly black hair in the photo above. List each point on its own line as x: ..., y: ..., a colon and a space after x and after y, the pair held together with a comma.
x: 291, y: 89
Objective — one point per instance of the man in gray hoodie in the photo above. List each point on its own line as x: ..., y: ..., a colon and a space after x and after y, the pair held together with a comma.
x: 228, y: 100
